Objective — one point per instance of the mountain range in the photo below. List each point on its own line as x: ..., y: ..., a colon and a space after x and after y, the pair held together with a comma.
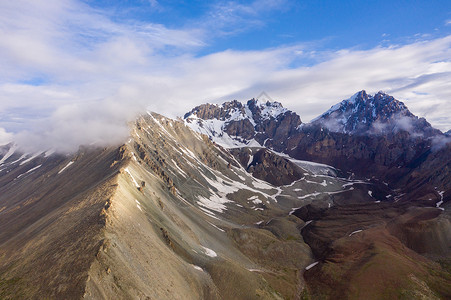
x: 235, y: 201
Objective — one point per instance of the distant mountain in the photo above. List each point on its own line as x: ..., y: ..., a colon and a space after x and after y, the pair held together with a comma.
x: 233, y: 124
x: 366, y: 135
x: 378, y: 114
x: 258, y: 123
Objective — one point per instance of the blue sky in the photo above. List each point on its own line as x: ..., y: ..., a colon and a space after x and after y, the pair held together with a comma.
x: 80, y: 69
x: 254, y: 25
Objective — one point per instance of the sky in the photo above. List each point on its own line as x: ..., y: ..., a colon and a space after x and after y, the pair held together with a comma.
x: 75, y: 72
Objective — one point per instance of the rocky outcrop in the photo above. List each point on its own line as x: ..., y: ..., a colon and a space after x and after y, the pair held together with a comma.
x: 242, y: 128
x: 268, y: 166
x: 212, y: 111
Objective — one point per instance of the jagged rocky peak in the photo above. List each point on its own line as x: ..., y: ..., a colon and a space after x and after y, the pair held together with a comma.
x: 265, y: 109
x: 379, y: 114
x: 214, y: 111
x: 234, y: 124
x: 235, y: 110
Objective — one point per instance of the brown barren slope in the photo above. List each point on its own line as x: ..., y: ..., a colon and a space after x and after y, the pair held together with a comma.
x: 51, y: 226
x: 364, y: 253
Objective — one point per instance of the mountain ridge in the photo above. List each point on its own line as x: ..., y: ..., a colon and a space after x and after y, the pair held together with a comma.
x: 172, y: 214
x: 360, y: 114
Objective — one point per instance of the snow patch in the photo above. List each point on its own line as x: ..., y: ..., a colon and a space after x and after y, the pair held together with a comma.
x: 251, y: 158
x: 441, y: 200
x: 65, y: 167
x: 309, y: 195
x: 255, y: 270
x: 49, y: 152
x: 8, y: 154
x: 133, y: 178
x: 354, y: 232
x: 33, y: 156
x: 310, y: 166
x: 138, y: 205
x: 255, y: 200
x: 216, y: 226
x: 209, y: 252
x: 311, y: 265
x: 260, y: 184
x: 29, y: 171
x: 197, y: 268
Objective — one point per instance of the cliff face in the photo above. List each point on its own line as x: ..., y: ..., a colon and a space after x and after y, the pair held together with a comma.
x: 268, y: 166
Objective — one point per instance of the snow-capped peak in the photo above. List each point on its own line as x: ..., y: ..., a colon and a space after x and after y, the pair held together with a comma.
x: 233, y: 124
x: 265, y: 110
x: 364, y: 113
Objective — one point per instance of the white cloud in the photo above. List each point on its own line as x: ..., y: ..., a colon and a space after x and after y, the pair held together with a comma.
x: 93, y: 74
x: 5, y: 137
x: 232, y: 17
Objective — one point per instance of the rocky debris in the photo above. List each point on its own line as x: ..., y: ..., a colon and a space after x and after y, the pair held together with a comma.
x: 104, y: 212
x: 356, y: 244
x: 376, y: 264
x: 166, y: 237
x: 49, y: 245
x: 122, y: 153
x: 156, y: 163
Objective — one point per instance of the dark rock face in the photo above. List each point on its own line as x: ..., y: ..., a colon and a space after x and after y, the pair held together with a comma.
x: 211, y: 111
x: 276, y: 131
x: 265, y: 165
x: 357, y: 153
x: 242, y: 128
